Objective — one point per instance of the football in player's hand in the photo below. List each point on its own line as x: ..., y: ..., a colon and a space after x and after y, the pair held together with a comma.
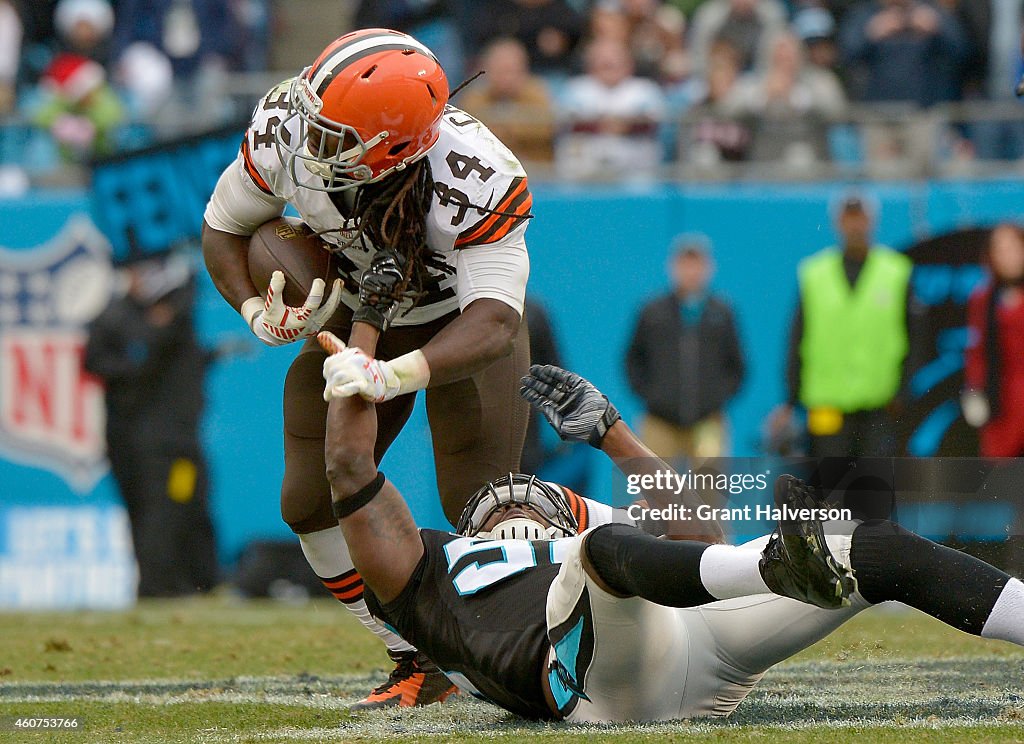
x: 288, y: 245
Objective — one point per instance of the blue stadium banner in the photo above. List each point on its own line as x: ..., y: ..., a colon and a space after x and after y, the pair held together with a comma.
x: 149, y: 200
x: 51, y: 410
x: 62, y: 544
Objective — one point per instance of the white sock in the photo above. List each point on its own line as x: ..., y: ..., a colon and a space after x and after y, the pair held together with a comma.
x: 728, y: 571
x: 327, y: 554
x: 1006, y: 621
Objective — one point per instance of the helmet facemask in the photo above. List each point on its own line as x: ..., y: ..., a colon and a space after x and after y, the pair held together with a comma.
x: 554, y: 518
x: 338, y: 162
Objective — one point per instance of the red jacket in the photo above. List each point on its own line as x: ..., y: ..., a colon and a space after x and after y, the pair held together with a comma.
x: 1003, y: 435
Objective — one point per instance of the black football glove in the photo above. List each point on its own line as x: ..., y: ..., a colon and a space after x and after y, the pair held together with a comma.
x: 577, y: 410
x: 380, y: 289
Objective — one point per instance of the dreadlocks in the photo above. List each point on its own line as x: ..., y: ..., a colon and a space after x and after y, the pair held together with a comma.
x: 392, y: 215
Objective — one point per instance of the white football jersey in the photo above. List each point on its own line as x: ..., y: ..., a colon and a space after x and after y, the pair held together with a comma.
x: 472, y: 171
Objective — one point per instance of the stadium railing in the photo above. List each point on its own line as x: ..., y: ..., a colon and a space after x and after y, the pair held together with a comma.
x: 878, y: 141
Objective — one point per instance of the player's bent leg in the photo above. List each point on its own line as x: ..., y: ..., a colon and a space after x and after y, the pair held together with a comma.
x: 682, y: 573
x: 478, y: 426
x: 415, y: 680
x: 735, y: 641
x: 753, y: 634
x: 612, y: 658
x: 327, y: 554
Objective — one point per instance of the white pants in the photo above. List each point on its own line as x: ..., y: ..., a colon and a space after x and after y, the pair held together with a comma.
x: 634, y: 660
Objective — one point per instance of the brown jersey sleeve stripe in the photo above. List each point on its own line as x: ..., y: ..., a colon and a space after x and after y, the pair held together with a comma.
x: 506, y: 224
x: 513, y: 199
x: 514, y: 206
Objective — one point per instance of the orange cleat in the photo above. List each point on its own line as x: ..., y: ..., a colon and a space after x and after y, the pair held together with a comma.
x: 414, y: 681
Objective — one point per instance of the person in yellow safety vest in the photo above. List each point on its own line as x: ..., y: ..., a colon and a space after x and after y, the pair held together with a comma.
x: 850, y: 342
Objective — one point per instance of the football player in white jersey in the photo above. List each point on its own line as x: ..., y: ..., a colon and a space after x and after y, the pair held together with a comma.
x: 425, y: 211
x: 614, y: 624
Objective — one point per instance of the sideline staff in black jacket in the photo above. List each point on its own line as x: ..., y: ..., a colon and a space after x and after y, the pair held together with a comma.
x: 144, y: 348
x: 685, y: 360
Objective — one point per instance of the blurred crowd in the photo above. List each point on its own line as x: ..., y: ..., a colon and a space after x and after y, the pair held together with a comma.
x: 609, y: 89
x: 97, y: 76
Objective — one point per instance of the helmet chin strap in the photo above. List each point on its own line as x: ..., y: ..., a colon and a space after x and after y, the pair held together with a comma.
x: 518, y: 528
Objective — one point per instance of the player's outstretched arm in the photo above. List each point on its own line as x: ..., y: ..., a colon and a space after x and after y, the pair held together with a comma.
x: 379, y: 529
x: 579, y: 412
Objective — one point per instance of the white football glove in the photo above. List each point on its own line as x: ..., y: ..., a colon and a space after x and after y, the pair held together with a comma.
x: 349, y: 371
x: 276, y: 324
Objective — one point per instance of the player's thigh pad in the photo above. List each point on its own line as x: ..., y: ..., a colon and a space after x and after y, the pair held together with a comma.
x: 628, y: 657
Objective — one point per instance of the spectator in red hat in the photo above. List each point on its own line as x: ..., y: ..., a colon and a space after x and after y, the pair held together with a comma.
x: 78, y: 107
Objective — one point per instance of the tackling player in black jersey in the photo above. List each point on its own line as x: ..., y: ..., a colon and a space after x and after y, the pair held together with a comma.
x: 615, y: 624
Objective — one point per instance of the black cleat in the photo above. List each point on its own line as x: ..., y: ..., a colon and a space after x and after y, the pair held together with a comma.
x: 415, y: 681
x: 796, y: 562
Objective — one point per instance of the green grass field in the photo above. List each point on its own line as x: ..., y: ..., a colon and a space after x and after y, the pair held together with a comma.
x: 218, y: 670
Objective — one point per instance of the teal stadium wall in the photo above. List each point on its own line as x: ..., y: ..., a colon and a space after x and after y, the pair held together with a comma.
x: 597, y: 254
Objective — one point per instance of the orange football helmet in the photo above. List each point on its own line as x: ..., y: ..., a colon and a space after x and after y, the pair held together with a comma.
x: 369, y: 105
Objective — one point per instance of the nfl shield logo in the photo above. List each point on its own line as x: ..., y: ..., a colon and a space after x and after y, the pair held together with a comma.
x: 51, y: 410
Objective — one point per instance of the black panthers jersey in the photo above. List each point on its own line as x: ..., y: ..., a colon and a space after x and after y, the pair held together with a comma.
x: 476, y: 607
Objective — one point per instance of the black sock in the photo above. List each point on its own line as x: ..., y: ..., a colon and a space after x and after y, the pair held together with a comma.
x: 894, y: 564
x: 666, y: 572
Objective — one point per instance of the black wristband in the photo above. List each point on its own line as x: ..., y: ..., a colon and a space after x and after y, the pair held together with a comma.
x: 362, y: 497
x: 373, y: 316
